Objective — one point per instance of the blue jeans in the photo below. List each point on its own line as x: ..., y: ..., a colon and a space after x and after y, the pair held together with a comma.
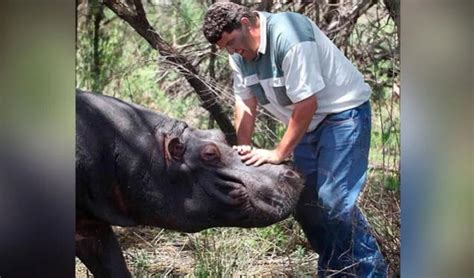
x: 334, y: 160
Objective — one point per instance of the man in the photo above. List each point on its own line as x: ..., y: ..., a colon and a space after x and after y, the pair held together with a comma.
x: 286, y: 64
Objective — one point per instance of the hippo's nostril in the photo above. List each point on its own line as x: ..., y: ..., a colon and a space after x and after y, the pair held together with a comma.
x: 293, y: 178
x: 291, y: 174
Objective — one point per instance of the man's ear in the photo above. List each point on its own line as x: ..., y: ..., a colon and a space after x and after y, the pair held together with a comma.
x: 245, y: 21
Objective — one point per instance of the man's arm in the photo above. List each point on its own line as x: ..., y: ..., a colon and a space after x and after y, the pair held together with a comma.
x: 245, y: 114
x: 303, y: 112
x: 297, y: 126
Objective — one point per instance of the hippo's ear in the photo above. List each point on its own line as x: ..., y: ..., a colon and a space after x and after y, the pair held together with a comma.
x: 175, y: 149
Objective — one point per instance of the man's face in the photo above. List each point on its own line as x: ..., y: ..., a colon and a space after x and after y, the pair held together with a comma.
x: 239, y: 41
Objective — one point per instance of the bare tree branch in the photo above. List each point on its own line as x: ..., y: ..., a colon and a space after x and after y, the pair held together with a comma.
x: 138, y: 21
x: 341, y: 28
x: 139, y: 8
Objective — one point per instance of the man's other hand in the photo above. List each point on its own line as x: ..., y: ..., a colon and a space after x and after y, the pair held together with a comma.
x: 257, y: 157
x: 243, y: 149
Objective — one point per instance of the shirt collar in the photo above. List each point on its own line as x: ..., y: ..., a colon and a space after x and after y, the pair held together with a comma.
x: 263, y: 33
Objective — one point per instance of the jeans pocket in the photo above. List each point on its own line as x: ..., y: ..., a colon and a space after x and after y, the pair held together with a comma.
x: 341, y: 117
x: 340, y: 129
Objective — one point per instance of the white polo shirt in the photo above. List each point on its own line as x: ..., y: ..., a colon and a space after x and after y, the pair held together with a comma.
x: 297, y: 60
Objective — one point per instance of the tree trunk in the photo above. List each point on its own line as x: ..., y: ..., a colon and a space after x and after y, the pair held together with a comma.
x: 393, y: 7
x: 212, y: 74
x: 137, y: 20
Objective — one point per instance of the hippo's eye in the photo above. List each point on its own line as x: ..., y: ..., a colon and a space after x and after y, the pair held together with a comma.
x: 210, y: 153
x: 176, y: 149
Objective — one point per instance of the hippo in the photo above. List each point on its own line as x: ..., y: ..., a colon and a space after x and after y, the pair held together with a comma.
x: 137, y: 167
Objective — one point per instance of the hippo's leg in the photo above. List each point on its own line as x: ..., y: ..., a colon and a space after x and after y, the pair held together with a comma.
x: 98, y: 248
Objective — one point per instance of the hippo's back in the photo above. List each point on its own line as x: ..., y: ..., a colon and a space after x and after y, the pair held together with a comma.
x: 114, y: 142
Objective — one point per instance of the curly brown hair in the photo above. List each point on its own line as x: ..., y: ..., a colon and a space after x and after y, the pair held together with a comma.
x: 224, y: 17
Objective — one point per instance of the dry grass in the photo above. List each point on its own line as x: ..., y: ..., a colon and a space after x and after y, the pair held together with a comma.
x: 382, y: 208
x: 229, y: 252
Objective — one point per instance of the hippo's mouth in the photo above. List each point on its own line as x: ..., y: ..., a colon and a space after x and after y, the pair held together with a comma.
x: 242, y: 200
x: 257, y: 205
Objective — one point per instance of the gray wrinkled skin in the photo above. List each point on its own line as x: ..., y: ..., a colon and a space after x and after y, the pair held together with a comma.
x: 138, y: 167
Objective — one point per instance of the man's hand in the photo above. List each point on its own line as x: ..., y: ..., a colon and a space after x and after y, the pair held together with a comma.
x: 257, y: 157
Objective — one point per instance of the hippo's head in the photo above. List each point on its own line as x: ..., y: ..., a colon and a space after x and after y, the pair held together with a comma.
x: 218, y: 189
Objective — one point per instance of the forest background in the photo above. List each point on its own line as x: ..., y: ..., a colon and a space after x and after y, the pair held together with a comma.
x: 153, y: 53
